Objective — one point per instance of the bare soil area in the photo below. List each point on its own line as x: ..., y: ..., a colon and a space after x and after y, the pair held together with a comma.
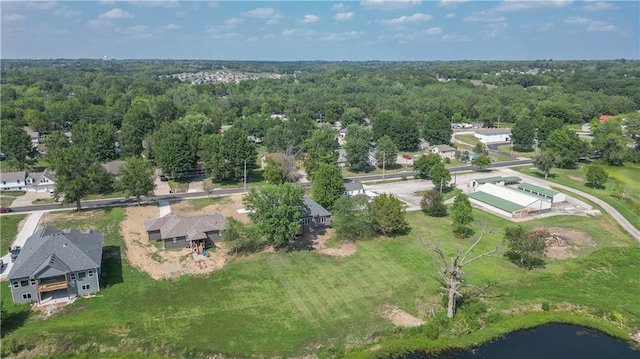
x: 345, y: 250
x: 565, y: 243
x: 156, y: 262
x: 400, y: 318
x: 227, y: 206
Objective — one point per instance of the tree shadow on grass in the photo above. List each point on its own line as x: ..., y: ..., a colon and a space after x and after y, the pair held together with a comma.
x: 304, y: 242
x: 526, y: 262
x: 594, y: 185
x: 15, y: 320
x: 111, y: 266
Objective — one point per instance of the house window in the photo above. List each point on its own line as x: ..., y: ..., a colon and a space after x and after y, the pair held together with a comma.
x: 323, y: 219
x: 175, y: 240
x: 90, y: 272
x: 26, y: 296
x: 82, y: 275
x: 16, y: 284
x: 72, y: 276
x: 33, y: 282
x: 24, y: 283
x: 86, y: 287
x: 306, y: 220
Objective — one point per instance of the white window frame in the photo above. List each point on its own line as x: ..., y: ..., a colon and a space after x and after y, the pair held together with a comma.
x: 82, y: 275
x: 26, y: 296
x: 86, y: 286
x: 306, y: 221
x: 90, y: 273
x: 174, y: 240
x: 33, y: 282
x: 15, y: 284
x: 72, y: 276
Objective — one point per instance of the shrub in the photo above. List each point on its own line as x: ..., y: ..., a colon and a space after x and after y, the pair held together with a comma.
x: 494, y: 317
x: 617, y: 317
x: 431, y: 330
x: 545, y: 306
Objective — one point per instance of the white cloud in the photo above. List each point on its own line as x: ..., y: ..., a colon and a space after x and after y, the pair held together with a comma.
x: 339, y: 7
x: 450, y: 3
x: 67, y: 13
x: 297, y: 32
x: 342, y: 36
x: 450, y: 15
x: 455, y: 38
x: 172, y: 27
x: 593, y: 25
x: 42, y: 5
x: 261, y: 13
x: 484, y: 16
x: 308, y: 19
x: 116, y: 14
x: 598, y: 6
x: 344, y: 16
x: 389, y: 4
x: 496, y: 29
x: 96, y: 23
x: 433, y: 31
x: 218, y: 34
x: 518, y: 5
x: 161, y: 3
x: 13, y: 17
x: 135, y: 29
x: 233, y: 22
x: 405, y: 20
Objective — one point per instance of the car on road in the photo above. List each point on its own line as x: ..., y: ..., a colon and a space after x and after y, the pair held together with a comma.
x: 406, y: 156
x: 14, y: 252
x: 5, y: 210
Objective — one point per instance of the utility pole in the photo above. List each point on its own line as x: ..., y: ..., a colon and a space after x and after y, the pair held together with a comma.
x: 441, y: 182
x: 245, y: 176
x: 384, y: 163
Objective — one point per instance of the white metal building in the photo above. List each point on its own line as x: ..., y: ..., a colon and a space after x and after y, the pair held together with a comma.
x: 542, y: 192
x: 493, y: 135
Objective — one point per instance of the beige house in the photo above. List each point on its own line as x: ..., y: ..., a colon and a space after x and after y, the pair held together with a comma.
x: 444, y: 151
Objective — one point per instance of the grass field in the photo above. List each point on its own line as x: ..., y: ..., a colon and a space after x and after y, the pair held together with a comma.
x: 510, y: 149
x: 8, y: 231
x: 293, y: 303
x: 623, y: 181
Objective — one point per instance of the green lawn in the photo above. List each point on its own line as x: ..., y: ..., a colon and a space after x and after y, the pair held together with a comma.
x: 294, y: 303
x: 469, y: 139
x: 622, y: 180
x: 509, y: 149
x: 8, y: 231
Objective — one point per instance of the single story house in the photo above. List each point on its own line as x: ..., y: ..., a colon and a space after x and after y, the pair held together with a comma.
x: 497, y: 180
x: 314, y: 216
x: 176, y: 231
x: 353, y: 188
x: 444, y: 151
x: 53, y: 265
x: 493, y: 135
x: 542, y: 192
x: 423, y: 145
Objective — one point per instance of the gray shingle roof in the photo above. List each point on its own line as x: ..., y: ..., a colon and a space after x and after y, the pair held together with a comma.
x: 353, y: 186
x: 493, y: 131
x: 195, y: 227
x: 50, y: 251
x: 13, y: 176
x: 312, y: 209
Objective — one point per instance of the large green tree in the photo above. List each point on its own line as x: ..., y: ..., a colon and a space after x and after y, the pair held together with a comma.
x: 274, y: 172
x: 136, y: 178
x: 566, y: 145
x: 328, y: 185
x: 16, y: 146
x: 78, y: 174
x: 526, y: 249
x: 545, y: 162
x: 136, y: 123
x: 319, y: 150
x: 101, y: 141
x: 436, y: 129
x: 389, y: 214
x: 523, y: 134
x: 386, y: 152
x: 353, y: 115
x: 440, y: 175
x: 432, y: 204
x: 609, y: 143
x: 425, y: 163
x: 276, y: 211
x: 482, y: 161
x: 357, y: 147
x: 223, y: 156
x: 462, y: 216
x: 174, y: 151
x: 597, y: 176
x: 352, y: 218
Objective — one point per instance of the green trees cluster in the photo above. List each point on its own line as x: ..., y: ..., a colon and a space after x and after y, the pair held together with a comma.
x: 225, y: 157
x: 357, y: 147
x: 389, y: 214
x: 436, y: 129
x: 526, y: 248
x: 462, y: 216
x: 328, y: 185
x: 16, y: 146
x: 425, y: 163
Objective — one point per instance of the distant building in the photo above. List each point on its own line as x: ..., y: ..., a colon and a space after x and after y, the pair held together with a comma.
x: 353, y: 188
x: 493, y: 135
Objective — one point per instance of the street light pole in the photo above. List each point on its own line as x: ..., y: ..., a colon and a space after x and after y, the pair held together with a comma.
x: 245, y: 176
x: 384, y: 163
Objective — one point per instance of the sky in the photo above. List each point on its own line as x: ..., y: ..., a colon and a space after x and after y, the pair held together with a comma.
x: 403, y: 30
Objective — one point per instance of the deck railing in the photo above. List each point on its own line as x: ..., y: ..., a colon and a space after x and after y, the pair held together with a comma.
x: 52, y: 286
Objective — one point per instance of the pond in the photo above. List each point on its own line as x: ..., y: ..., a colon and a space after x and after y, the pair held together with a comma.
x: 550, y: 341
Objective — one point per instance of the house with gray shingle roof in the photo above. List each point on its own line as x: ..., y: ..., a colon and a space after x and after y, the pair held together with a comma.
x: 53, y: 264
x: 314, y: 216
x: 176, y: 231
x: 353, y: 188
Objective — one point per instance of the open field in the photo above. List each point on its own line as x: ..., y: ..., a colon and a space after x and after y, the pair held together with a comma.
x: 622, y: 181
x: 9, y: 230
x: 510, y: 149
x: 300, y: 302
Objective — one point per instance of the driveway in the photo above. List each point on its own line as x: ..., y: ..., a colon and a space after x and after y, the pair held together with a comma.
x: 28, y: 198
x: 161, y: 188
x: 403, y: 190
x: 29, y: 227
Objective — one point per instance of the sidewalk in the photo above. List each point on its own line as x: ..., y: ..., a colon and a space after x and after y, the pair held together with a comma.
x: 29, y: 227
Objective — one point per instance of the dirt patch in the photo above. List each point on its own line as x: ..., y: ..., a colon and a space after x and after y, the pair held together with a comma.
x: 565, y: 243
x: 156, y: 262
x: 400, y: 318
x: 227, y: 206
x: 84, y: 215
x: 576, y: 178
x: 320, y: 242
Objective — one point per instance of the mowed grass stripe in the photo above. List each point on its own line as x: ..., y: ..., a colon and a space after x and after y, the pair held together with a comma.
x: 388, y: 265
x: 324, y: 280
x: 293, y: 295
x: 299, y: 281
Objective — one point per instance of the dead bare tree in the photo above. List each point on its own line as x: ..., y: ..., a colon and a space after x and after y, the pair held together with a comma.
x: 450, y: 271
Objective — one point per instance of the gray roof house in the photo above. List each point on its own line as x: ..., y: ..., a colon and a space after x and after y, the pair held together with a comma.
x: 314, y: 216
x: 195, y: 232
x: 56, y: 265
x: 353, y: 188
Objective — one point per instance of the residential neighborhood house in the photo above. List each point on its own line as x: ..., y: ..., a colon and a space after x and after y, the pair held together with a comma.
x: 56, y: 265
x: 314, y: 216
x: 195, y: 232
x: 353, y: 188
x: 22, y: 181
x: 444, y: 151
